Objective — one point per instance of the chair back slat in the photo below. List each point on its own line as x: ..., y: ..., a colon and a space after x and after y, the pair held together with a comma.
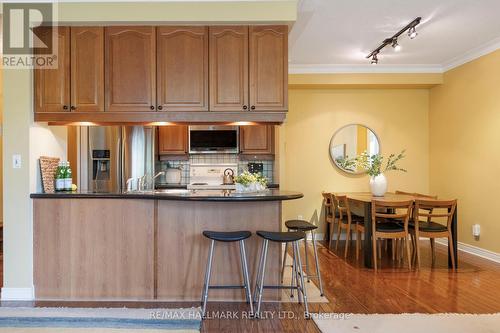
x: 399, y: 210
x: 429, y: 207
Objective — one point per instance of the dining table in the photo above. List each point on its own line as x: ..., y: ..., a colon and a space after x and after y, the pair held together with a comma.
x: 361, y: 204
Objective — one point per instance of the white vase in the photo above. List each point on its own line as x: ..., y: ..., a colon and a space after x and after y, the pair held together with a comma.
x: 378, y: 185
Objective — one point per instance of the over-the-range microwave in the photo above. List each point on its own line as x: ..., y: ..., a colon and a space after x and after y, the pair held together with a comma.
x: 212, y: 139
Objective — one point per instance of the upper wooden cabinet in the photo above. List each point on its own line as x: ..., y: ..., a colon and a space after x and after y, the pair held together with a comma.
x: 52, y: 86
x: 130, y: 66
x: 268, y: 68
x: 182, y: 73
x: 257, y: 140
x: 134, y: 71
x: 229, y: 68
x: 87, y: 69
x: 172, y: 140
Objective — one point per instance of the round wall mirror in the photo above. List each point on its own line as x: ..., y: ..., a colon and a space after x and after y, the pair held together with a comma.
x: 351, y: 141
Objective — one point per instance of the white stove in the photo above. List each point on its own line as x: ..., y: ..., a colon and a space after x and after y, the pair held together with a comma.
x: 210, y: 176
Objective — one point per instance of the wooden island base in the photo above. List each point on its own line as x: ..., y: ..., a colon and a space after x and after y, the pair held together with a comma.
x: 144, y: 249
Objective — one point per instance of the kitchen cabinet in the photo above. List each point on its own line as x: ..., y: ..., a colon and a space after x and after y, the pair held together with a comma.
x: 124, y: 74
x: 228, y: 68
x: 130, y: 66
x: 249, y: 68
x: 87, y: 69
x: 182, y: 73
x: 52, y: 86
x: 173, y: 140
x: 257, y: 140
x: 268, y: 76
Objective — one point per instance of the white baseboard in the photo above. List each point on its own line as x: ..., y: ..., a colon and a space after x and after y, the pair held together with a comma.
x: 18, y: 294
x: 474, y: 250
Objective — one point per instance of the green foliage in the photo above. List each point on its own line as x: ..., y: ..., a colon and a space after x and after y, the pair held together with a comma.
x: 374, y: 164
x: 346, y: 163
x: 247, y: 178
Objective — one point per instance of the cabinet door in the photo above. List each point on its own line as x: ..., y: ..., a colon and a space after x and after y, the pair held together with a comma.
x: 52, y: 86
x: 268, y: 68
x: 172, y: 140
x: 87, y: 69
x: 182, y: 68
x: 229, y: 68
x: 257, y: 140
x: 130, y: 65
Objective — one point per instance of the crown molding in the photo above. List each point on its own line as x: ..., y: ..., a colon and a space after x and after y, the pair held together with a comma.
x: 473, y: 54
x: 337, y: 69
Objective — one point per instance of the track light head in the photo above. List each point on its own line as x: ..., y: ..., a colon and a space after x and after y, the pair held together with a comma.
x: 412, y: 33
x: 395, y: 45
x: 374, y: 59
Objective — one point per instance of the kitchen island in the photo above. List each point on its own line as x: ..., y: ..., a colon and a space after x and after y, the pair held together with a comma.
x: 148, y: 245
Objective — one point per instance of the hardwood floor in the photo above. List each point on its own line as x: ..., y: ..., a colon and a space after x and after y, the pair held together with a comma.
x: 351, y: 288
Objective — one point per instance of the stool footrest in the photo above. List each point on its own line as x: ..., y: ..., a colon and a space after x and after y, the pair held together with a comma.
x: 280, y: 287
x: 226, y: 287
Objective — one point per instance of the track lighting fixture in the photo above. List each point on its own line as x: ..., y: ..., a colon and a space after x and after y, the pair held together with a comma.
x: 412, y: 33
x: 395, y: 45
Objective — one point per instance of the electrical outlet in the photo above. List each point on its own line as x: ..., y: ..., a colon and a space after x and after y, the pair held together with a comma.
x: 16, y: 161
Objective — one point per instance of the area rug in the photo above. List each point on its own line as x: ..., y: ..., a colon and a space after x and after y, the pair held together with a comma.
x: 408, y: 323
x: 313, y: 292
x: 102, y: 320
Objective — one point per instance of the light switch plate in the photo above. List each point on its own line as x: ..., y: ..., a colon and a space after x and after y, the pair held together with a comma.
x: 16, y: 161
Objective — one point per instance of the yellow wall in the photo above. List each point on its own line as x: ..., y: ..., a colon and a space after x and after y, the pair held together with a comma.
x: 399, y: 117
x: 464, y: 140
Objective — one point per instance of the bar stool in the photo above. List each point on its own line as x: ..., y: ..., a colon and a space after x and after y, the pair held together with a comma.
x: 233, y: 236
x: 304, y: 226
x: 280, y: 237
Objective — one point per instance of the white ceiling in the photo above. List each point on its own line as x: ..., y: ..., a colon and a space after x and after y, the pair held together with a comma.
x: 336, y: 35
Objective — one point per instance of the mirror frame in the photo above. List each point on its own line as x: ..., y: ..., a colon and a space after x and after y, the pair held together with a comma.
x: 353, y: 173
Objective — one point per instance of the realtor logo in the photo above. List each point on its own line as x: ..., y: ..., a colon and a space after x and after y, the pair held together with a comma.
x: 25, y: 46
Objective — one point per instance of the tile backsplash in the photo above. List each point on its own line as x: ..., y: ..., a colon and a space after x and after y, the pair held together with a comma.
x: 268, y: 166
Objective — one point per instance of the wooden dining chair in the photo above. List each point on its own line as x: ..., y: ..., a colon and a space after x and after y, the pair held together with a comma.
x: 390, y: 221
x: 414, y: 240
x: 348, y: 222
x: 329, y: 216
x: 429, y: 227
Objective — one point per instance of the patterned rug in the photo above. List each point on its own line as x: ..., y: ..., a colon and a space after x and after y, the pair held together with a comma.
x: 407, y: 323
x: 102, y: 320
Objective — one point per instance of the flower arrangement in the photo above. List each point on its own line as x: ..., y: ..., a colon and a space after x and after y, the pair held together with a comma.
x: 250, y: 182
x: 374, y: 164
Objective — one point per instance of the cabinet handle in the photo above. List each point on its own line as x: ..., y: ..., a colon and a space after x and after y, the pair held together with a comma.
x: 65, y: 107
x: 245, y: 107
x: 252, y: 107
x: 73, y: 107
x: 152, y: 107
x: 160, y: 107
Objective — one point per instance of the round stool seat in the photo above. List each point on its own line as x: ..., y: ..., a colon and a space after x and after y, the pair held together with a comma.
x: 282, y: 237
x: 227, y: 236
x: 300, y: 225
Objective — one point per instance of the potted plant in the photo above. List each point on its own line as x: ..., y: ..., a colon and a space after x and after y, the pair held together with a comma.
x: 374, y: 166
x: 250, y: 182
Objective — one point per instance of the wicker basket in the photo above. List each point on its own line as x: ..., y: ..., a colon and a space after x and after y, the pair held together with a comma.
x: 48, y: 168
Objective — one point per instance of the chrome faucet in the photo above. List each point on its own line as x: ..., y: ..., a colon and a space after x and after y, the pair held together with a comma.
x: 161, y: 173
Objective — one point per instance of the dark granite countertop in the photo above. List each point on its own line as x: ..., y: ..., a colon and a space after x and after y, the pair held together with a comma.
x: 178, y: 194
x: 182, y: 186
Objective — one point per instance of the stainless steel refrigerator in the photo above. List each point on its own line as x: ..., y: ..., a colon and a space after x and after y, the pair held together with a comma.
x: 111, y: 155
